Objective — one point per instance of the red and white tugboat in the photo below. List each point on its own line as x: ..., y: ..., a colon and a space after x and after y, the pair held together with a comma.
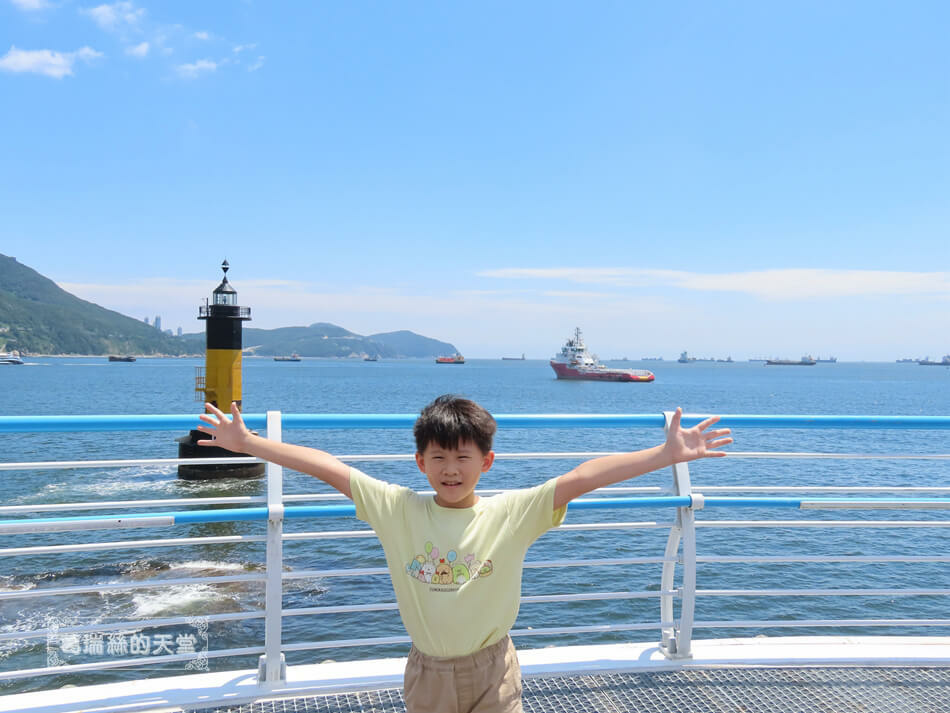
x: 575, y: 362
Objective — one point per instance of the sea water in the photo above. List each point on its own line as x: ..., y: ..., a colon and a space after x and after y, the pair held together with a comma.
x: 59, y: 386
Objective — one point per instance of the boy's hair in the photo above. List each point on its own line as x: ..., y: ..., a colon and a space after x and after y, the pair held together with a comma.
x: 450, y: 420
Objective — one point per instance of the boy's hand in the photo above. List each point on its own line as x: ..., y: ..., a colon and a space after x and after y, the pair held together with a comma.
x: 681, y: 445
x: 692, y: 443
x: 225, y: 433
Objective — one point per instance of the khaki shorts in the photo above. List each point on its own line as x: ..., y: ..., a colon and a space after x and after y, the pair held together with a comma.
x: 488, y: 681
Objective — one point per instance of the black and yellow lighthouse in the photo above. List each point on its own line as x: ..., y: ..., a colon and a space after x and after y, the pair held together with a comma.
x: 219, y: 382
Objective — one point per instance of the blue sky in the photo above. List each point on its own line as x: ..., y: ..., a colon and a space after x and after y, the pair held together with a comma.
x: 730, y: 178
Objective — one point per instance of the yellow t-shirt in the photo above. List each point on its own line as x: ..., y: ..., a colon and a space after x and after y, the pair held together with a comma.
x: 456, y: 571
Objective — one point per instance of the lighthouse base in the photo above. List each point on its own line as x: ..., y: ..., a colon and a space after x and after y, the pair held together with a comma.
x: 188, y: 448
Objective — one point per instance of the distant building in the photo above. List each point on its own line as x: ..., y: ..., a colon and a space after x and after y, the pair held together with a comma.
x: 179, y: 331
x: 158, y: 323
x: 145, y: 320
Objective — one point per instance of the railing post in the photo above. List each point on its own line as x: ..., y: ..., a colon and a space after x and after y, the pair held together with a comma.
x: 272, y: 669
x: 677, y: 642
x: 667, y: 580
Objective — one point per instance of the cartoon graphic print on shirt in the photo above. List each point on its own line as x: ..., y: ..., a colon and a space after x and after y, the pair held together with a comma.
x: 433, y: 568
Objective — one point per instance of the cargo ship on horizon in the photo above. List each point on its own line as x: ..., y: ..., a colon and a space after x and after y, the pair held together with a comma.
x: 804, y: 361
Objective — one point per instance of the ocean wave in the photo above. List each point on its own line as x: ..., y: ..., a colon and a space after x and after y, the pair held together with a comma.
x: 184, y: 600
x: 79, y: 611
x: 105, y: 485
x: 134, y: 568
x: 143, y: 568
x: 138, y: 482
x: 11, y: 583
x: 213, y: 566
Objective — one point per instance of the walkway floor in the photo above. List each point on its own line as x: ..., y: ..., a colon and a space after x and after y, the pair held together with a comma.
x: 732, y: 690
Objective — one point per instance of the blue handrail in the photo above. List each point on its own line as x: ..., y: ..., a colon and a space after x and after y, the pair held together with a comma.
x: 182, y: 517
x: 177, y: 422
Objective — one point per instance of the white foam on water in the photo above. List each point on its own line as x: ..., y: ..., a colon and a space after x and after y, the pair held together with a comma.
x: 25, y: 587
x: 213, y: 566
x: 105, y: 485
x: 180, y: 600
x: 45, y: 616
x: 195, y: 598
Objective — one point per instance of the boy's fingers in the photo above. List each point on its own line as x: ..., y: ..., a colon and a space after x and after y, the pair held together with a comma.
x: 675, y: 421
x: 214, y: 409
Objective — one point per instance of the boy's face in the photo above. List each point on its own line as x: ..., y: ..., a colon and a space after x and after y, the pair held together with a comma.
x: 454, y: 472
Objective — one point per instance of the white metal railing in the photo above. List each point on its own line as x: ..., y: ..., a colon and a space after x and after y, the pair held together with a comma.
x: 680, y: 555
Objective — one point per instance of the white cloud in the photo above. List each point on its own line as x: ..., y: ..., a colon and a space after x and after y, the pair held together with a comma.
x: 257, y: 65
x: 782, y: 284
x: 620, y: 276
x: 87, y: 54
x: 194, y: 70
x: 139, y: 50
x: 202, y: 35
x: 46, y: 62
x: 243, y: 48
x: 117, y: 16
x: 576, y: 294
x: 31, y: 5
x: 794, y: 284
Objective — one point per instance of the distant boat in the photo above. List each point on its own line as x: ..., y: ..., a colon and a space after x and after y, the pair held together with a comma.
x: 292, y: 357
x: 455, y: 359
x: 651, y: 359
x: 10, y: 359
x: 829, y: 360
x: 122, y: 358
x: 575, y: 362
x: 804, y: 361
x: 907, y: 360
x: 685, y: 358
x: 521, y: 358
x: 371, y: 358
x: 762, y: 359
x: 943, y: 362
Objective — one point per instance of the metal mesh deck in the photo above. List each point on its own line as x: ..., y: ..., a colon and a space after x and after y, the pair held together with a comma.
x: 734, y: 690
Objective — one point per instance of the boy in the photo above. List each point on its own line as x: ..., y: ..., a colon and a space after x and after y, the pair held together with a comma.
x: 456, y: 559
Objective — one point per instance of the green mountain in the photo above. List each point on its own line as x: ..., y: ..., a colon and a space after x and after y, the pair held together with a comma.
x: 38, y: 317
x: 328, y: 340
x: 410, y: 344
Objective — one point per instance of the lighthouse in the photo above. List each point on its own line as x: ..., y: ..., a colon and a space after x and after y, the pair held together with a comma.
x: 219, y: 381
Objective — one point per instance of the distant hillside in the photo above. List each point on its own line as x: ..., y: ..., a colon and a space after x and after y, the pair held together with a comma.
x: 410, y: 344
x: 38, y: 317
x: 328, y: 340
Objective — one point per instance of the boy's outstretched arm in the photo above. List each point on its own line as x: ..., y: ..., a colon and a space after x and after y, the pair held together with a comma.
x: 233, y: 435
x: 681, y: 445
